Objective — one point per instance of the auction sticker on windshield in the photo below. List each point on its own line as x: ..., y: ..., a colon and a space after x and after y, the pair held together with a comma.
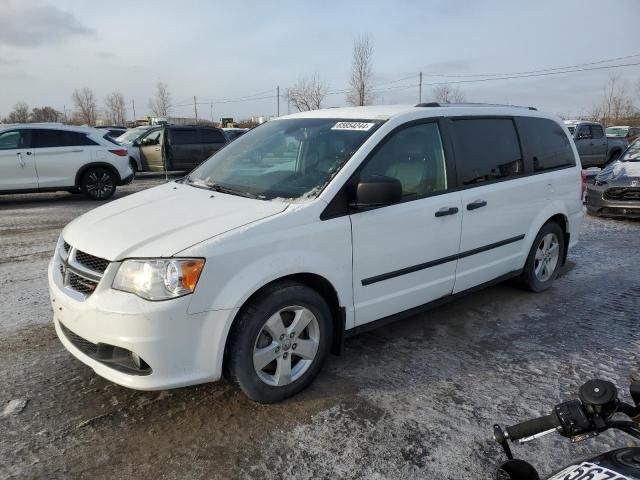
x: 361, y: 126
x: 587, y: 471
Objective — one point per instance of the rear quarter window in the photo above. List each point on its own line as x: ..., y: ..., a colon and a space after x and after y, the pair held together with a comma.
x: 487, y: 149
x: 211, y: 135
x: 545, y: 144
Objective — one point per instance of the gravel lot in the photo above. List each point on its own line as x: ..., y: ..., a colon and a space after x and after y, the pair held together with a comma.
x: 416, y: 399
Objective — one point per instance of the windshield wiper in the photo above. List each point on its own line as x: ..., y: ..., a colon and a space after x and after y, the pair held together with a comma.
x: 216, y: 187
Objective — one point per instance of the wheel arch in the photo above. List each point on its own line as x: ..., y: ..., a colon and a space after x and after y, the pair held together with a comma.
x: 82, y: 170
x: 314, y: 281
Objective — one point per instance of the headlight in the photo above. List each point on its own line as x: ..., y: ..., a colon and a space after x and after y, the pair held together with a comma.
x: 159, y: 279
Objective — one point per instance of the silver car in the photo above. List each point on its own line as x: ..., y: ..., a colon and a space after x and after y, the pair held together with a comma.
x: 616, y: 190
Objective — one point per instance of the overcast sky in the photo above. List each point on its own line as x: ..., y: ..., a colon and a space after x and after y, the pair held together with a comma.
x: 231, y: 49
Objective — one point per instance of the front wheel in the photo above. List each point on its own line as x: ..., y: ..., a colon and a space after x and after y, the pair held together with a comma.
x: 545, y: 258
x: 98, y: 183
x: 279, y: 342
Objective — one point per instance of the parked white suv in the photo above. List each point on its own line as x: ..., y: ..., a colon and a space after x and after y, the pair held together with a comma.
x: 51, y: 157
x: 308, y: 229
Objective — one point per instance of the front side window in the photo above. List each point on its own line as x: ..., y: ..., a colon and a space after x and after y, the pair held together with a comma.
x: 546, y: 143
x: 584, y: 132
x: 13, y: 140
x: 152, y: 138
x: 415, y: 157
x: 284, y: 159
x: 487, y: 149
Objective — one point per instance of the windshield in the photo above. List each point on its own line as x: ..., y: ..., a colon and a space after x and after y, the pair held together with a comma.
x: 285, y: 159
x: 130, y: 135
x: 631, y: 154
x: 617, y: 132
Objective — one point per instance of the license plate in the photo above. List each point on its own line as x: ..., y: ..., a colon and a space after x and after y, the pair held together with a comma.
x: 587, y: 471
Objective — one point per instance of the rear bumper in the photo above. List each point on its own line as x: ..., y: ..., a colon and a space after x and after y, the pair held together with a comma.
x: 126, y: 180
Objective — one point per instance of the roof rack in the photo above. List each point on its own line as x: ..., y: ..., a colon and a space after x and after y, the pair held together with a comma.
x: 464, y: 104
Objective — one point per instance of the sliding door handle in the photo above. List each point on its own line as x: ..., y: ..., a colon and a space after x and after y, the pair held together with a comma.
x: 444, y: 211
x: 477, y: 204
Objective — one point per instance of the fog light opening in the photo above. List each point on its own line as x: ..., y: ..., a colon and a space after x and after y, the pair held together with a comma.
x: 139, y: 363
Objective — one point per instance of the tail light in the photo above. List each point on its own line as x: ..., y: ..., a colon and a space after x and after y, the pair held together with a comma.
x: 121, y: 152
x: 583, y: 185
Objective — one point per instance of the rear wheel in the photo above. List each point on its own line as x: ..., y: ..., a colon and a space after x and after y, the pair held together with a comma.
x: 545, y: 258
x: 279, y: 342
x: 98, y: 183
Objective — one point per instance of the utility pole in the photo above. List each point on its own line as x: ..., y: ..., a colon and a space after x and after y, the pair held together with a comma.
x: 278, y: 101
x: 420, y: 89
x: 64, y: 116
x: 288, y: 103
x: 133, y: 106
x: 195, y: 108
x: 211, y: 109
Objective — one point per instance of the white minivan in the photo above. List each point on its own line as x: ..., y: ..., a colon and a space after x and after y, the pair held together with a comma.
x: 309, y: 229
x: 47, y: 157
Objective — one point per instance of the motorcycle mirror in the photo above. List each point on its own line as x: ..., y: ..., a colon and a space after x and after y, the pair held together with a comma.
x: 517, y: 470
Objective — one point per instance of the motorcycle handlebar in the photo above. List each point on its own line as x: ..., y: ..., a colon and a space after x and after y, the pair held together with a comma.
x: 532, y: 427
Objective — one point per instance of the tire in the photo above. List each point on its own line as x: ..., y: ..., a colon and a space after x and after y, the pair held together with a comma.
x: 545, y: 258
x: 98, y: 183
x: 264, y: 334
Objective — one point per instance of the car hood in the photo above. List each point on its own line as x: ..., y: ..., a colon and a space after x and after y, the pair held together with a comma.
x: 620, y: 173
x: 162, y: 221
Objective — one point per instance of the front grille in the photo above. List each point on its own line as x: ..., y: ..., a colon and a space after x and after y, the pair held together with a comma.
x: 82, y: 344
x: 623, y: 194
x: 81, y: 284
x: 94, y: 263
x: 81, y: 272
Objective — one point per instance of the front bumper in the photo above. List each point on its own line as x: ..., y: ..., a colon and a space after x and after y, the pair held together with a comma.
x: 598, y: 205
x: 179, y: 348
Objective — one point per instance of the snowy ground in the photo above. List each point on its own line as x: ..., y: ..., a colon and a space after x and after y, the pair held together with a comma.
x: 416, y: 399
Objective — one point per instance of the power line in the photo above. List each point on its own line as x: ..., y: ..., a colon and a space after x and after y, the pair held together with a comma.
x: 472, y: 75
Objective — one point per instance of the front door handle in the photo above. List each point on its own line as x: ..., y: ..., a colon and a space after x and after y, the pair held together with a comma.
x: 476, y: 204
x: 444, y: 211
x: 77, y: 151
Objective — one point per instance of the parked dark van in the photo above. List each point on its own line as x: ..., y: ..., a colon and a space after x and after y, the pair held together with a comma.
x: 178, y: 147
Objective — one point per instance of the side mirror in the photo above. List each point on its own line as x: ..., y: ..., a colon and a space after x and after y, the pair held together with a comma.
x: 377, y: 192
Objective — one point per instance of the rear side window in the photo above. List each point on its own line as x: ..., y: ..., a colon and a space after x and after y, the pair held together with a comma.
x: 60, y: 138
x: 211, y: 135
x: 545, y: 144
x: 184, y: 136
x: 596, y: 131
x: 487, y: 149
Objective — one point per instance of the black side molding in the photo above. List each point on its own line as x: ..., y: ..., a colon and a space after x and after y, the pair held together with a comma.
x: 440, y: 261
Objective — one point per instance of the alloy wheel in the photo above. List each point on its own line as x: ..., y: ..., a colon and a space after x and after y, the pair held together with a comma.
x: 547, y: 257
x: 286, y: 346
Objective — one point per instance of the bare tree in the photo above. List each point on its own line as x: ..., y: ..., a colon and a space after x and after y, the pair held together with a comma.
x: 308, y: 93
x: 45, y: 114
x: 85, y: 102
x: 448, y: 94
x: 19, y: 114
x: 115, y: 108
x: 160, y: 105
x: 616, y: 103
x: 361, y: 80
